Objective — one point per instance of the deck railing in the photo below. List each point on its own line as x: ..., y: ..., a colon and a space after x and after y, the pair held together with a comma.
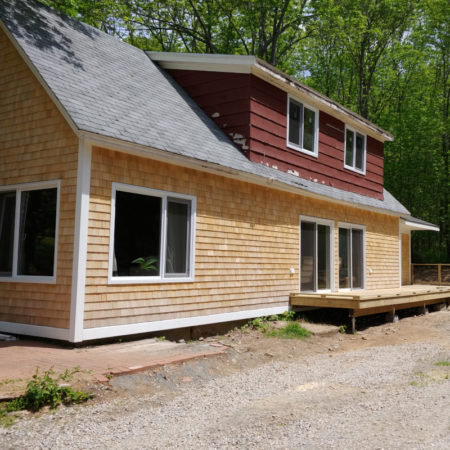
x: 430, y: 274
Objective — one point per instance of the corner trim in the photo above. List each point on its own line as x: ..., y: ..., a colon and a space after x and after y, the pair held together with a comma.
x: 146, y: 327
x: 80, y: 241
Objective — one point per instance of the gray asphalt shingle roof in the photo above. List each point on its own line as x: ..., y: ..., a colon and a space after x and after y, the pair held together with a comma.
x: 113, y: 89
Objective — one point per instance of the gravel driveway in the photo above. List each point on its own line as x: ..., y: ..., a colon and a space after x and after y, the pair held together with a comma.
x: 379, y: 397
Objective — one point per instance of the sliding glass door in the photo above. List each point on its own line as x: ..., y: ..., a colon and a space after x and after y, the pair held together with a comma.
x: 315, y: 254
x: 351, y: 258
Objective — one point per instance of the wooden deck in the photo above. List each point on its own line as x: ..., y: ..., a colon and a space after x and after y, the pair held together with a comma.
x: 366, y: 302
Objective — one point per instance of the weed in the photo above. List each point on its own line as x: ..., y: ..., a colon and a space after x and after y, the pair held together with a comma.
x: 291, y: 331
x: 44, y: 390
x: 161, y: 338
x: 443, y: 363
x: 288, y: 316
x: 343, y: 329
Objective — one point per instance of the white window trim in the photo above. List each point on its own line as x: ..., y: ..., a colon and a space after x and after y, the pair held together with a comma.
x: 317, y: 221
x: 18, y: 189
x: 164, y: 195
x: 353, y: 168
x: 350, y: 226
x: 294, y: 146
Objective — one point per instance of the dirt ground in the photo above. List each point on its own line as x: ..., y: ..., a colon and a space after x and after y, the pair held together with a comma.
x: 388, y: 386
x: 250, y: 348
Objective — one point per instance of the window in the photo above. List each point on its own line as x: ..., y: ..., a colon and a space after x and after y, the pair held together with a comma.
x: 28, y: 217
x: 351, y: 257
x: 315, y: 254
x: 302, y: 127
x: 355, y: 151
x: 152, y: 235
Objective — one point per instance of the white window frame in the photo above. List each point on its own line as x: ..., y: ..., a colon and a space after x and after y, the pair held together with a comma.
x: 297, y: 147
x: 354, y: 226
x: 18, y: 189
x: 162, y: 278
x: 317, y: 221
x: 353, y: 167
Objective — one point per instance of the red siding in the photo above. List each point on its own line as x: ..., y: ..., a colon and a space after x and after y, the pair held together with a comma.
x: 252, y: 113
x: 223, y: 96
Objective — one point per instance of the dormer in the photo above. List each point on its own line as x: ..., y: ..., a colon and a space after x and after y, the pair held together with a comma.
x: 277, y: 121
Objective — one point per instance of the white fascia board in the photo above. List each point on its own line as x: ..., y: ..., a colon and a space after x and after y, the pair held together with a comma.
x: 203, y: 62
x: 170, y: 324
x: 205, y: 166
x: 419, y: 226
x: 41, y: 80
x: 320, y: 101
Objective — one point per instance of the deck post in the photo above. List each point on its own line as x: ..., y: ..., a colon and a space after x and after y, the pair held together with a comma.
x: 423, y: 310
x: 391, y: 316
x: 352, y: 316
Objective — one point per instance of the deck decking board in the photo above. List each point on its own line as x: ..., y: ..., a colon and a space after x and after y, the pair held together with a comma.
x: 362, y: 302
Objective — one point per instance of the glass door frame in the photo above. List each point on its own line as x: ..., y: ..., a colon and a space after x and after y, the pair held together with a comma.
x: 317, y: 221
x: 350, y: 227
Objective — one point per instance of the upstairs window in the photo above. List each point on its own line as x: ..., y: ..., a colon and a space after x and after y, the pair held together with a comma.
x: 302, y: 127
x: 355, y: 151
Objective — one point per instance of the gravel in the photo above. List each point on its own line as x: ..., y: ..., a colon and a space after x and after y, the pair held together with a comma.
x: 372, y: 398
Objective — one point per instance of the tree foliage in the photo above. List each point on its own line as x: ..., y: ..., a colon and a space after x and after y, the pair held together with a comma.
x: 388, y: 60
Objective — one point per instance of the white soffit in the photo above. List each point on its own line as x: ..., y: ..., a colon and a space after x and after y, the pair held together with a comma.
x: 417, y: 224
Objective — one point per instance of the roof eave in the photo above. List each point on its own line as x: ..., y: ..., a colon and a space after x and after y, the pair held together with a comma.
x: 216, y: 169
x: 267, y: 72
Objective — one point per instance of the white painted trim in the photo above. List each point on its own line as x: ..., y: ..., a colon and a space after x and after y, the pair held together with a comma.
x: 353, y: 168
x: 315, y: 152
x: 146, y: 327
x: 204, y: 166
x: 419, y: 226
x: 318, y: 221
x: 409, y: 258
x: 35, y: 330
x: 399, y: 257
x: 41, y: 80
x: 203, y: 62
x: 350, y: 226
x: 164, y: 195
x: 80, y: 241
x: 18, y: 189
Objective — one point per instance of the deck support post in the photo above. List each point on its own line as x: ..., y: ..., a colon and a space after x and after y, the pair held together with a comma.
x: 352, y: 316
x: 391, y: 316
x: 423, y: 310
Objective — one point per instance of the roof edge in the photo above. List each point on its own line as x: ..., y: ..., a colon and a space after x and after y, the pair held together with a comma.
x: 216, y: 169
x: 268, y: 72
x: 39, y: 78
x: 413, y: 223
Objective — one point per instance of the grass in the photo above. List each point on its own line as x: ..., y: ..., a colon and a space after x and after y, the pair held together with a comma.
x: 443, y: 363
x: 290, y: 331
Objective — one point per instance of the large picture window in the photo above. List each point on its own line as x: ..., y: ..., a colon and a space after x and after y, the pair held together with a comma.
x: 315, y: 254
x: 355, y: 150
x: 28, y: 217
x: 302, y: 127
x: 152, y: 235
x: 351, y: 257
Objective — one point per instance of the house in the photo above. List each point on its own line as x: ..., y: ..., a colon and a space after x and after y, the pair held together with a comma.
x: 147, y: 191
